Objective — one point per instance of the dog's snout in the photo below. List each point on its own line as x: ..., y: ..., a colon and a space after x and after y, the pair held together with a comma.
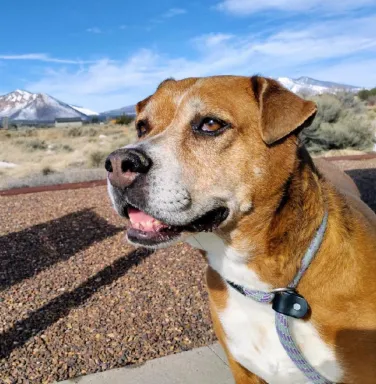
x: 123, y: 165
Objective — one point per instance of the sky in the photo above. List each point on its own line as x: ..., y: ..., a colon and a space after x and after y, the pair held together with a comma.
x: 104, y: 55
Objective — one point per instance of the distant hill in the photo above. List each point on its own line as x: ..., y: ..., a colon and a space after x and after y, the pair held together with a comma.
x: 128, y: 110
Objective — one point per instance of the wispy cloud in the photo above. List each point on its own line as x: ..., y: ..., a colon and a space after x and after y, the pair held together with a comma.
x: 42, y: 57
x: 172, y: 12
x: 95, y: 30
x: 211, y: 40
x: 123, y: 26
x: 245, y: 7
x: 338, y: 46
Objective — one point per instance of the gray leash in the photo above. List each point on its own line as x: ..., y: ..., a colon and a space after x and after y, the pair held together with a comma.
x: 288, y: 303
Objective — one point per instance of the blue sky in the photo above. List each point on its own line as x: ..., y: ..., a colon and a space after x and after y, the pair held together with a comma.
x: 108, y: 54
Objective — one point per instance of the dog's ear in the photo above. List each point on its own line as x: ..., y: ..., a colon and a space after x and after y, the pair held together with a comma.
x: 281, y: 111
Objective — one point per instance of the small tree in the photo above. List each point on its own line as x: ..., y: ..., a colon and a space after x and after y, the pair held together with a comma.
x: 124, y: 119
x: 365, y: 94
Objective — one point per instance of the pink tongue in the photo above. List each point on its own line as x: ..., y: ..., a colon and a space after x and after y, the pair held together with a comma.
x: 143, y: 222
x: 137, y: 216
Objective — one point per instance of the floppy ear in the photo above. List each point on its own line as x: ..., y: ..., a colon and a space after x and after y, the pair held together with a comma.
x: 281, y: 111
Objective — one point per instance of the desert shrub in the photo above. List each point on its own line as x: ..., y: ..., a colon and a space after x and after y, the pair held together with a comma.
x: 35, y: 145
x: 91, y: 132
x: 63, y: 148
x: 124, y: 119
x: 67, y: 148
x: 31, y: 132
x: 73, y: 132
x: 22, y: 133
x: 329, y: 108
x: 97, y: 158
x: 372, y: 101
x: 365, y: 94
x: 348, y: 100
x: 47, y: 171
x: 81, y: 132
x: 339, y: 124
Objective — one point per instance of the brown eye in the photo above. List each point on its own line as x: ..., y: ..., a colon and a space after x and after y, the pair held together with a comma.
x: 211, y: 126
x: 142, y: 128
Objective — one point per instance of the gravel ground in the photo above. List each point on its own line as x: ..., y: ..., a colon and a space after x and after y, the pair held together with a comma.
x: 76, y: 299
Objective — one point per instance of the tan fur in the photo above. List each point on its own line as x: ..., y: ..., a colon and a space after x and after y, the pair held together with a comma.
x: 289, y: 196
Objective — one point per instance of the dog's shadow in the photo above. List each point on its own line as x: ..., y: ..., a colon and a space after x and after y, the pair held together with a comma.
x: 365, y: 179
x: 26, y: 253
x: 357, y: 348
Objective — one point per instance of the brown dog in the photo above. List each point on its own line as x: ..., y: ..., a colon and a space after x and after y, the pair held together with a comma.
x: 219, y: 165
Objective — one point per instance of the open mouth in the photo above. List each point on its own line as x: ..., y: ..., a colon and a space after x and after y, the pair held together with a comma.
x: 148, y: 231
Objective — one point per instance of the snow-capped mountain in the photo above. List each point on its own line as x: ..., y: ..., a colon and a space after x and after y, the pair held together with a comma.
x: 24, y: 105
x: 85, y: 111
x: 313, y: 86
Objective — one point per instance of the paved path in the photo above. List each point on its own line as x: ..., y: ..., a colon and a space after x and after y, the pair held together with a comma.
x: 206, y: 365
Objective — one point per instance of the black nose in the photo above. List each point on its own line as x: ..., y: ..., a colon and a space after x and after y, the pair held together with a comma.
x: 123, y: 165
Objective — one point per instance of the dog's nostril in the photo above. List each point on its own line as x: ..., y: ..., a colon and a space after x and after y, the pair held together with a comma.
x: 108, y: 165
x: 127, y: 165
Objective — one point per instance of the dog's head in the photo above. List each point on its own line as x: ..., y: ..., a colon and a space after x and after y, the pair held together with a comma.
x: 210, y: 152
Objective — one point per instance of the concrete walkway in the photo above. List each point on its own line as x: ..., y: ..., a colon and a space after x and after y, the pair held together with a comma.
x: 206, y: 365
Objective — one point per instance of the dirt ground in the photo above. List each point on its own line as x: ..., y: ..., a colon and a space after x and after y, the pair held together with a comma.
x: 76, y: 299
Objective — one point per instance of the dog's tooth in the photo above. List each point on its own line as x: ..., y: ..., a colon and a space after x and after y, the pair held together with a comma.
x: 148, y: 224
x: 156, y: 226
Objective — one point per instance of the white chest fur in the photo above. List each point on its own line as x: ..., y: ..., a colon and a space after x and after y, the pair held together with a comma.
x: 250, y: 326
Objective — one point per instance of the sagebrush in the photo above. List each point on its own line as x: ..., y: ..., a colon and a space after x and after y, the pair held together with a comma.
x: 341, y: 122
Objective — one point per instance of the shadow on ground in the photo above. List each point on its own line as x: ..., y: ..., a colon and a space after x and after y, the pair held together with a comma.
x: 365, y: 179
x: 59, y: 307
x: 26, y: 253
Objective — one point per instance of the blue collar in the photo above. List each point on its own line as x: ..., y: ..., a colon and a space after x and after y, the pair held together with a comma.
x: 286, y: 302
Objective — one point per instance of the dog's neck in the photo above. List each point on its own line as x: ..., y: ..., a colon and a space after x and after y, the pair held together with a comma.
x: 270, y: 241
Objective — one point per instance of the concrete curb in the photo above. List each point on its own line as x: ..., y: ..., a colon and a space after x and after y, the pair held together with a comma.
x: 205, y: 365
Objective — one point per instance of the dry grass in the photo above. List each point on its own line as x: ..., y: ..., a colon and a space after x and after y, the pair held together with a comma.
x: 54, y: 155
x: 48, y: 156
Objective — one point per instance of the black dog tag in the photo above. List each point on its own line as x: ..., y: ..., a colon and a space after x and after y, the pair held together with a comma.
x: 290, y: 303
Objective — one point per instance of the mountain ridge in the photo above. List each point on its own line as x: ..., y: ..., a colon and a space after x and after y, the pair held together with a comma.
x: 24, y: 105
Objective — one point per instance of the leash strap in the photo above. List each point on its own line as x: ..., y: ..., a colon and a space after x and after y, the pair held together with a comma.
x: 282, y: 321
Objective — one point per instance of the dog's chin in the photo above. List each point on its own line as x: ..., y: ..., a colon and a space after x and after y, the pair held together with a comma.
x: 152, y: 240
x: 147, y: 231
